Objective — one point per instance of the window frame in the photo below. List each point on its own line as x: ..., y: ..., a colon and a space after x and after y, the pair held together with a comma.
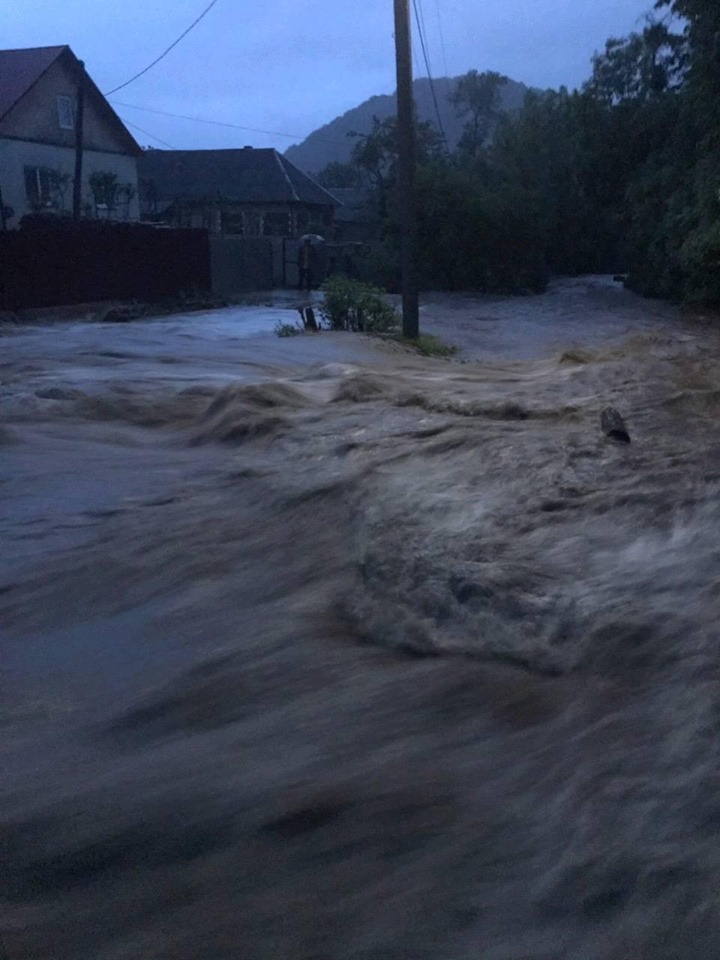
x: 42, y: 180
x: 65, y: 112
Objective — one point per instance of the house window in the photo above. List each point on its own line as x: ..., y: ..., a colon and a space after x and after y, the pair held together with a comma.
x: 252, y: 223
x: 277, y: 224
x: 66, y: 113
x: 39, y: 187
x: 233, y: 223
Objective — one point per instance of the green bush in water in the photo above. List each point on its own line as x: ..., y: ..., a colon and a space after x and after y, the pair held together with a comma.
x: 353, y: 305
x: 287, y: 329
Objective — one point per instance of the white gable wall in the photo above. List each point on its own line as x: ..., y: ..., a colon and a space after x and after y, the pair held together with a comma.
x: 31, y: 136
x: 16, y: 155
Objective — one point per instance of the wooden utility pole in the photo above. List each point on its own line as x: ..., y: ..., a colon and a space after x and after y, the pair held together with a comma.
x: 406, y: 168
x: 79, y: 111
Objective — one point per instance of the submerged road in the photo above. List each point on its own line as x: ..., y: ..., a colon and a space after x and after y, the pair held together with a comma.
x: 314, y: 648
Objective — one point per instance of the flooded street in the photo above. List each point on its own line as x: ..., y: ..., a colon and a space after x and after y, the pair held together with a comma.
x: 316, y: 649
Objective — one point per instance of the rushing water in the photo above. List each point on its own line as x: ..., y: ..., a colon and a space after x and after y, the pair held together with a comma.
x: 315, y: 650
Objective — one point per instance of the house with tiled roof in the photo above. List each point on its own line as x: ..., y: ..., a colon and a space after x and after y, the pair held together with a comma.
x: 38, y: 116
x: 247, y: 192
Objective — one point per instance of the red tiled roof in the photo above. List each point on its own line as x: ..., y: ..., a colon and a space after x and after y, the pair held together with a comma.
x: 20, y: 69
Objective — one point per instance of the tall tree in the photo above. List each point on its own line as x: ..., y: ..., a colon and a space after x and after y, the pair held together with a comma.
x: 337, y: 174
x: 375, y: 154
x: 476, y: 99
x: 639, y: 67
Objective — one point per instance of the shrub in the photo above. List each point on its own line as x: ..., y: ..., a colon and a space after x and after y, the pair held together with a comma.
x: 352, y: 305
x: 700, y: 258
x: 287, y: 329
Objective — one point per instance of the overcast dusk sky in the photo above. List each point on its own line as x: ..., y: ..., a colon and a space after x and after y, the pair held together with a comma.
x: 288, y: 66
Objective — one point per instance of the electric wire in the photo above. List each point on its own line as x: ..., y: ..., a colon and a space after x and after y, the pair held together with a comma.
x: 165, y: 52
x: 220, y: 123
x: 419, y: 20
x: 147, y: 133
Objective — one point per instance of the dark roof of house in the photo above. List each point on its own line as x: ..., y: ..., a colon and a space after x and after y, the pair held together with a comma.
x: 354, y: 204
x: 248, y: 175
x: 21, y: 69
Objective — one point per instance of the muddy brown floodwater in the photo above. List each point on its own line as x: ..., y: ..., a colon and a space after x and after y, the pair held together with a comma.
x: 313, y: 649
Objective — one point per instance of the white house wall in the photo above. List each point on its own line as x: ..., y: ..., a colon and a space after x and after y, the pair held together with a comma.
x: 15, y: 155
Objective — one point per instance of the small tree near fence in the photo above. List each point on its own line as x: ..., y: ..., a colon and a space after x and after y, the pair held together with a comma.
x: 125, y: 196
x: 104, y: 187
x: 110, y: 196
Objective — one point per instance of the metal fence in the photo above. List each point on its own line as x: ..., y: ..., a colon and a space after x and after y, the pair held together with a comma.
x: 239, y: 264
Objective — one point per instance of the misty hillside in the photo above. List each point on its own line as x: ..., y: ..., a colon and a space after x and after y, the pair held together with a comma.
x: 331, y: 142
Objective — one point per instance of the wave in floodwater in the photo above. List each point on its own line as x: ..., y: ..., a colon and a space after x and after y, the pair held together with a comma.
x: 453, y: 682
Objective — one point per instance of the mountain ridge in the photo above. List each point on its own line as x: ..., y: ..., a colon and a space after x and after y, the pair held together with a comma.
x: 331, y: 143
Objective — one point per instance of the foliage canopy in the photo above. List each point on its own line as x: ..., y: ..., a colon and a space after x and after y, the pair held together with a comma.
x: 622, y: 175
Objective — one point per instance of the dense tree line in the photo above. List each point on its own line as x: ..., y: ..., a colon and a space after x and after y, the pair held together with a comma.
x: 622, y: 175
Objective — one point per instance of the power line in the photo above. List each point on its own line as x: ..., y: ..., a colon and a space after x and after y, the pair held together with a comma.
x: 147, y: 133
x: 165, y: 52
x: 419, y: 21
x: 420, y: 18
x: 442, y: 37
x: 222, y: 123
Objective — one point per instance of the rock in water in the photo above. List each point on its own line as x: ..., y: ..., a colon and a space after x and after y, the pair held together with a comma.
x: 613, y: 425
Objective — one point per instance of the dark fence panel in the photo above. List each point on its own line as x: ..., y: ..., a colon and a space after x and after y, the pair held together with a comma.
x: 48, y: 264
x: 239, y: 264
